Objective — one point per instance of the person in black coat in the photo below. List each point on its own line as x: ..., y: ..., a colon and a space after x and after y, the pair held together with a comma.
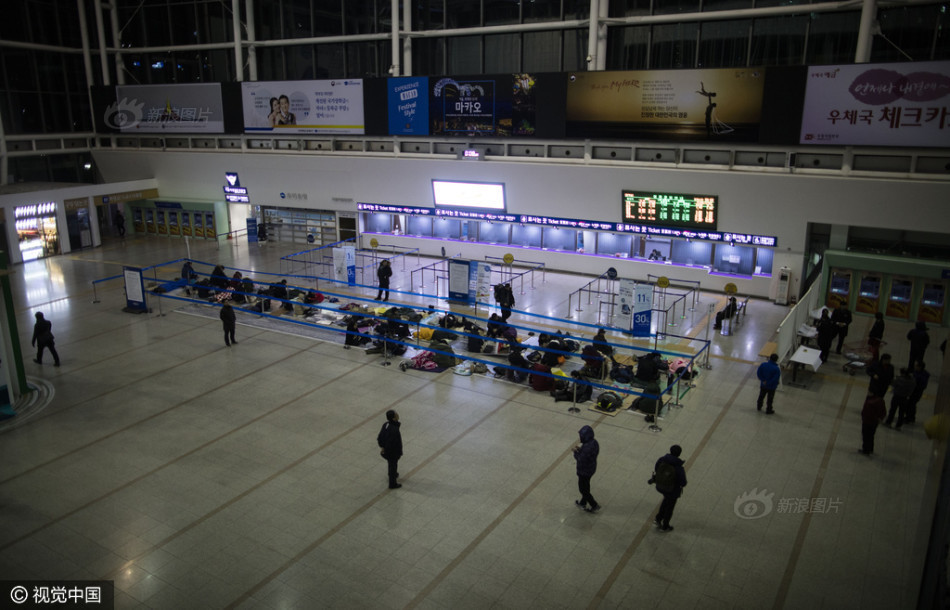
x: 827, y: 331
x: 919, y: 340
x: 229, y: 322
x: 876, y: 336
x: 842, y: 319
x: 586, y: 454
x: 389, y: 440
x: 881, y: 374
x: 383, y: 273
x: 43, y: 339
x: 673, y: 490
x: 506, y: 300
x: 219, y: 278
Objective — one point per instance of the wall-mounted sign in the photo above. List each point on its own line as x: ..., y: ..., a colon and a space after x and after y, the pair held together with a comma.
x: 233, y: 191
x: 670, y: 209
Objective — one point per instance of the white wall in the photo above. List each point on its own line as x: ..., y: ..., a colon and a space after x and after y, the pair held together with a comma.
x: 749, y: 202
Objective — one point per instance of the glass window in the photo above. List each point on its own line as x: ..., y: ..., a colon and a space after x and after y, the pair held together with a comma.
x: 658, y: 249
x: 463, y: 13
x: 778, y: 41
x: 575, y: 50
x: 464, y: 55
x: 541, y: 10
x: 428, y: 56
x: 527, y: 236
x: 674, y: 46
x: 763, y: 261
x: 691, y: 252
x: 724, y: 44
x: 560, y: 239
x: 446, y: 228
x: 629, y: 8
x: 910, y: 30
x: 832, y: 38
x: 378, y: 223
x: 675, y: 7
x: 367, y: 59
x: 420, y: 226
x: 612, y: 244
x: 500, y: 12
x: 428, y: 16
x: 723, y: 5
x: 493, y: 232
x: 734, y: 259
x: 361, y: 16
x: 628, y: 48
x: 502, y: 53
x: 542, y: 51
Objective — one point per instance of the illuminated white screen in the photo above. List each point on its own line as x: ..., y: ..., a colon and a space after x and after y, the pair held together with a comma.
x: 481, y: 195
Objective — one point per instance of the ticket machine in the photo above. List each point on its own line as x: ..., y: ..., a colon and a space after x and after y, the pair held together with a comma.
x: 186, y: 224
x: 839, y: 289
x: 138, y: 220
x: 869, y: 294
x: 932, y: 301
x: 209, y: 225
x: 899, y: 298
x: 160, y: 222
x: 173, y: 228
x: 150, y: 221
x: 199, y: 227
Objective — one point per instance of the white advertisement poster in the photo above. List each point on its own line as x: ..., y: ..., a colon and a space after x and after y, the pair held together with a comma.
x: 339, y: 265
x: 482, y: 282
x: 304, y: 107
x: 624, y: 317
x: 191, y: 108
x: 901, y: 104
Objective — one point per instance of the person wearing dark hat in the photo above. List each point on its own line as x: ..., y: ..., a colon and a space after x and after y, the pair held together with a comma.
x: 842, y: 319
x: 585, y: 454
x: 919, y: 340
x: 389, y: 440
x: 769, y: 375
x: 827, y: 331
x: 43, y: 339
x: 669, y: 476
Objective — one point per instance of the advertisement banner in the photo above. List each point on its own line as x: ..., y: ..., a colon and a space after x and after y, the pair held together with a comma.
x: 408, y: 106
x: 720, y: 105
x: 900, y: 104
x: 458, y: 280
x: 643, y: 310
x: 623, y: 319
x: 188, y: 108
x: 350, y: 254
x: 303, y: 107
x: 482, y: 281
x: 486, y: 105
x: 251, y: 230
x: 134, y: 290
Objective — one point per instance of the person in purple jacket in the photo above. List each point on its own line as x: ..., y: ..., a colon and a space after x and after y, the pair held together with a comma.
x: 585, y: 454
x: 769, y: 375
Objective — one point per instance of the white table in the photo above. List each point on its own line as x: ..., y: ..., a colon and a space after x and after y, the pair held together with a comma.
x: 804, y: 356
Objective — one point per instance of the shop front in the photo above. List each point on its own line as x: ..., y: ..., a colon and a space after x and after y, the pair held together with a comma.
x: 37, y: 232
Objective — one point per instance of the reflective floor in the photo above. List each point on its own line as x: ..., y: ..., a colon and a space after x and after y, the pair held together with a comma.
x: 200, y: 476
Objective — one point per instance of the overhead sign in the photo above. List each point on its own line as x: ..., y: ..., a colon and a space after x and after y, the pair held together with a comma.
x: 233, y: 191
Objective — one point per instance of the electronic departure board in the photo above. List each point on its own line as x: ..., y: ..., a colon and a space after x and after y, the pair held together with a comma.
x: 670, y: 210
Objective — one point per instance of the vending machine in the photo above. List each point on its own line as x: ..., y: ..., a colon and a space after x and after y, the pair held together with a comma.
x: 186, y: 224
x: 173, y: 228
x: 869, y: 294
x: 899, y: 298
x: 209, y: 225
x: 839, y: 289
x: 150, y: 221
x: 160, y: 222
x: 932, y: 301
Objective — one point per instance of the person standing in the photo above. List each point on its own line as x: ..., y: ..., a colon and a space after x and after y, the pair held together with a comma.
x: 872, y: 414
x: 876, y: 336
x: 229, y: 321
x: 43, y: 339
x: 921, y: 378
x: 389, y: 440
x: 769, y: 375
x: 901, y: 390
x: 585, y: 454
x: 670, y: 479
x: 919, y: 340
x: 383, y: 273
x: 120, y: 223
x: 506, y: 300
x: 827, y: 331
x: 881, y: 374
x: 842, y: 319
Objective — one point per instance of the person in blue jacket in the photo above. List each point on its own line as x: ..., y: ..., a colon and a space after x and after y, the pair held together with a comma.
x: 769, y: 375
x: 586, y: 456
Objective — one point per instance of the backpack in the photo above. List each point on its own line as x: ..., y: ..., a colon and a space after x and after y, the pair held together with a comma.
x: 608, y: 401
x: 499, y: 292
x: 665, y: 477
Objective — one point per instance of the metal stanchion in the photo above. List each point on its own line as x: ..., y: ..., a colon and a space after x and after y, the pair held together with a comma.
x: 95, y: 296
x: 155, y: 275
x: 385, y: 361
x: 709, y: 315
x: 655, y: 424
x: 574, y: 408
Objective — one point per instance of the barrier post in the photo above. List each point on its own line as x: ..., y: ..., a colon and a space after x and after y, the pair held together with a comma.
x: 574, y: 408
x: 95, y: 296
x: 655, y: 424
x: 709, y: 315
x: 155, y: 275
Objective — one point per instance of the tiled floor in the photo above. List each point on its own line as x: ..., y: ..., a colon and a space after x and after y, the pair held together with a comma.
x: 200, y: 476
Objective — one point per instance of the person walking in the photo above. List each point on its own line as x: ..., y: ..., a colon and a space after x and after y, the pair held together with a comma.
x: 383, y: 273
x: 389, y: 440
x: 769, y: 375
x: 881, y: 374
x: 919, y: 340
x: 842, y: 319
x: 43, y: 339
x: 120, y: 223
x: 872, y: 414
x: 229, y: 321
x: 901, y: 389
x: 827, y: 331
x: 585, y: 454
x: 670, y: 479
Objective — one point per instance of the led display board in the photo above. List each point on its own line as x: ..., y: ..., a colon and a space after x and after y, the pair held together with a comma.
x: 468, y: 195
x: 670, y: 210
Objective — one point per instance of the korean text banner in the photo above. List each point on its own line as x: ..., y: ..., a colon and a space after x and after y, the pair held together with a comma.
x: 408, y: 106
x: 304, y: 107
x: 905, y: 104
x: 484, y: 105
x: 716, y: 105
x: 189, y: 108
